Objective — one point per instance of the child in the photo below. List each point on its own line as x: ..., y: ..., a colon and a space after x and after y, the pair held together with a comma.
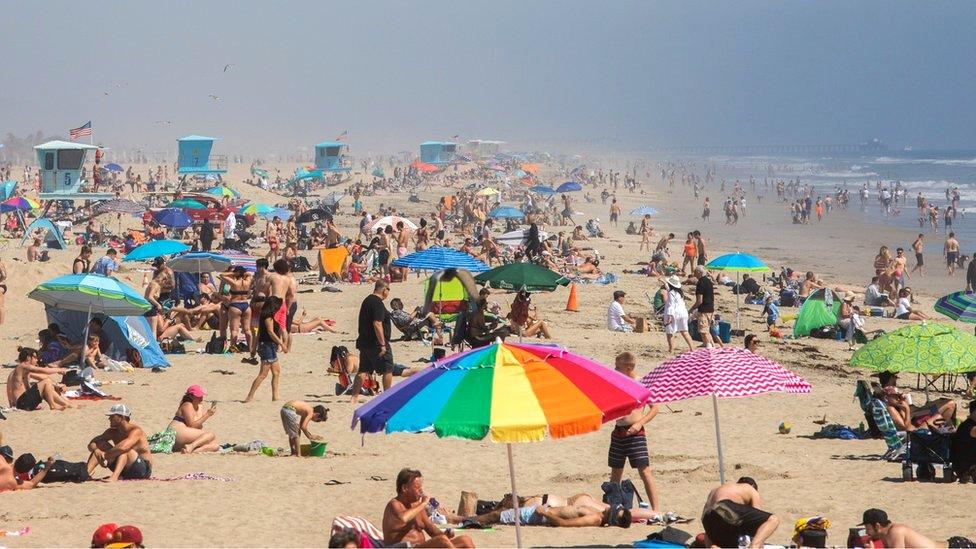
x: 268, y: 344
x: 628, y: 440
x: 295, y: 417
x: 771, y: 310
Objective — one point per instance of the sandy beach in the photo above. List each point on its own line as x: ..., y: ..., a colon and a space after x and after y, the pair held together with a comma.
x: 288, y: 502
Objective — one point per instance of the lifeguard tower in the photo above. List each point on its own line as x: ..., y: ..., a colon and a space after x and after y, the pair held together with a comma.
x: 195, y: 158
x: 438, y: 153
x: 60, y: 165
x: 482, y: 149
x: 332, y: 157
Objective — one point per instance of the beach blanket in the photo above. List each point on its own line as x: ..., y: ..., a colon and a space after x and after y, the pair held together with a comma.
x: 188, y: 476
x: 369, y: 535
x: 162, y: 442
x: 842, y: 432
x: 604, y: 279
x: 74, y: 395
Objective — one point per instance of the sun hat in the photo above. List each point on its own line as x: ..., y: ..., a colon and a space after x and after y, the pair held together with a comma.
x: 674, y: 282
x: 196, y: 390
x: 119, y: 410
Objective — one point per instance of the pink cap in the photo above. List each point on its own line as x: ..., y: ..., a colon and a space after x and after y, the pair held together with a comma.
x: 196, y: 390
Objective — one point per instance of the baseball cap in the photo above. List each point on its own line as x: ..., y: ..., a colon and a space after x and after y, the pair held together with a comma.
x: 126, y: 536
x: 874, y: 516
x: 7, y: 452
x: 103, y: 534
x: 119, y: 410
x: 196, y: 390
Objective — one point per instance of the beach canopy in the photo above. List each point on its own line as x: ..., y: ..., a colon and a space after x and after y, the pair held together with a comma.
x: 729, y: 372
x: 959, y: 306
x: 156, y: 248
x: 390, y: 221
x: 507, y: 393
x: 820, y: 309
x: 643, y: 210
x: 542, y: 189
x: 119, y: 205
x: 90, y: 293
x: 332, y: 199
x: 18, y: 203
x: 438, y: 258
x: 51, y: 233
x: 506, y: 212
x: 488, y: 191
x: 531, y: 168
x: 119, y: 335
x: 930, y: 348
x: 173, y: 217
x: 113, y: 167
x: 199, y: 262
x: 377, y: 172
x: 522, y: 276
x: 7, y: 188
x: 569, y: 187
x: 738, y: 262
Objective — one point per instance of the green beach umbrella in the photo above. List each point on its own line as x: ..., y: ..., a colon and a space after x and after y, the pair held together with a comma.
x: 518, y: 276
x: 928, y: 348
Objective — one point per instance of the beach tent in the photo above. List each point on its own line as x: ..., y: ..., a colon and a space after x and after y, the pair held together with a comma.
x: 7, y: 189
x: 331, y: 260
x: 52, y: 235
x: 815, y: 313
x: 447, y: 296
x: 123, y: 333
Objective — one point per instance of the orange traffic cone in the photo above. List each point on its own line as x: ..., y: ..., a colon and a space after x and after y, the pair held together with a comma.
x: 571, y: 304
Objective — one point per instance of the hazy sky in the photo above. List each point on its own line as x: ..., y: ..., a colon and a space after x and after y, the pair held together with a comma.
x: 559, y: 73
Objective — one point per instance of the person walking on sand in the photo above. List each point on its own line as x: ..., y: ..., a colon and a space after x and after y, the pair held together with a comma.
x: 628, y: 441
x: 269, y: 342
x: 951, y: 252
x: 675, y: 312
x: 375, y: 355
x: 614, y: 212
x: 283, y: 286
x: 295, y: 417
x: 918, y: 246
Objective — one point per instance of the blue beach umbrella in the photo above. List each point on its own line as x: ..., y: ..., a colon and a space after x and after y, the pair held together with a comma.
x: 503, y: 212
x: 113, y: 167
x: 959, y: 306
x: 156, y: 248
x: 569, y: 187
x: 643, y: 210
x: 173, y: 217
x: 739, y: 263
x: 542, y: 189
x: 199, y: 262
x: 439, y: 258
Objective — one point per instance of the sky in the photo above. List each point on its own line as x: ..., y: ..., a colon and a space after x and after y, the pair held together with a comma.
x: 562, y: 75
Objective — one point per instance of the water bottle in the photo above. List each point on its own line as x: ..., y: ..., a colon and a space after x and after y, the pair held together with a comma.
x: 744, y: 541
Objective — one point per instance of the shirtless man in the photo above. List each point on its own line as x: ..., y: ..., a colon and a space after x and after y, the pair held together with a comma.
x: 405, y: 517
x: 282, y: 285
x: 122, y: 448
x: 21, y: 394
x: 8, y: 482
x: 919, y: 246
x: 578, y: 511
x: 809, y: 284
x: 879, y: 528
x: 739, y: 502
x: 951, y: 252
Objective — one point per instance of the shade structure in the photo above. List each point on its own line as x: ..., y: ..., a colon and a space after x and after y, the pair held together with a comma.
x: 569, y: 187
x: 738, y: 262
x: 18, y: 203
x: 313, y: 215
x: 199, y: 262
x: 518, y: 276
x: 113, y: 167
x: 173, y: 217
x: 91, y: 293
x: 119, y: 205
x: 488, y: 191
x: 930, y: 348
x: 729, y: 372
x: 506, y: 212
x: 542, y: 189
x: 507, y: 393
x: 438, y: 258
x: 643, y: 210
x: 223, y: 190
x: 187, y: 204
x: 156, y: 248
x: 332, y: 199
x: 390, y: 221
x: 959, y: 306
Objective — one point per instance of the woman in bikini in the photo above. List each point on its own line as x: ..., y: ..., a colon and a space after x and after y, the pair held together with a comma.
x: 645, y: 231
x: 188, y: 423
x: 421, y: 238
x: 271, y: 235
x: 238, y: 307
x: 151, y: 294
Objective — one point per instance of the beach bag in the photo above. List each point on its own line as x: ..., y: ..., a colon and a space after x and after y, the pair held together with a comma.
x: 60, y: 471
x: 216, y: 344
x: 619, y: 493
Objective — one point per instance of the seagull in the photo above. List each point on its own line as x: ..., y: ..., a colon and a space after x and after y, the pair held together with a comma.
x: 227, y: 66
x: 166, y: 122
x: 214, y: 97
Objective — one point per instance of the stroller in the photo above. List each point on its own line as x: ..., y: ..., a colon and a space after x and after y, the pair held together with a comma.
x: 926, y: 449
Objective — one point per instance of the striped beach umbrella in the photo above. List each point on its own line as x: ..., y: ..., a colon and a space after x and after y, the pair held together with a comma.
x: 729, y: 372
x: 438, y: 258
x: 507, y: 393
x: 19, y: 203
x: 959, y: 306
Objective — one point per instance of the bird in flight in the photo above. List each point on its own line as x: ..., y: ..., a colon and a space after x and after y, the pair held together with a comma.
x: 214, y: 97
x: 166, y: 122
x: 227, y: 66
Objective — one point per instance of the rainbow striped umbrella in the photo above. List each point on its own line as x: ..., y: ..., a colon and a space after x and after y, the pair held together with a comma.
x: 20, y: 203
x: 508, y: 393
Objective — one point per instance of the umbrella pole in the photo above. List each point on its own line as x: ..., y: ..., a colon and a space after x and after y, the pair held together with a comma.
x: 515, y: 501
x: 738, y: 285
x: 84, y: 342
x: 718, y: 441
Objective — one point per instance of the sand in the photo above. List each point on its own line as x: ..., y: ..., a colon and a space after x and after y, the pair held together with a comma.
x: 290, y: 502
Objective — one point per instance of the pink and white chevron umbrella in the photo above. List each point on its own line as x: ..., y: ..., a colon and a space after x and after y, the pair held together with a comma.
x: 729, y: 372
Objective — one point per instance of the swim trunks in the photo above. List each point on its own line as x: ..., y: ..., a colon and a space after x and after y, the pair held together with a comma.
x: 625, y: 447
x: 291, y: 421
x: 281, y: 317
x: 728, y: 520
x: 527, y: 515
x: 951, y: 258
x: 918, y: 259
x: 30, y: 399
x: 139, y: 469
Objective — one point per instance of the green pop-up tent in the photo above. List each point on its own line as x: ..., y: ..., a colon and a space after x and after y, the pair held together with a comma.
x: 815, y: 313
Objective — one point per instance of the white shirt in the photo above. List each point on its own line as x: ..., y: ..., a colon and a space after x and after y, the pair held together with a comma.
x: 902, y: 306
x: 230, y: 225
x: 615, y: 314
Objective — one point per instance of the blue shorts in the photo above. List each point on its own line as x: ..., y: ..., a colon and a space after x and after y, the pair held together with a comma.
x: 268, y: 352
x: 527, y: 516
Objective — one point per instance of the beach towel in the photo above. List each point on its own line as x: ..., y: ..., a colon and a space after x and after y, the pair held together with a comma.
x: 842, y: 432
x: 369, y: 535
x: 879, y: 411
x: 331, y: 260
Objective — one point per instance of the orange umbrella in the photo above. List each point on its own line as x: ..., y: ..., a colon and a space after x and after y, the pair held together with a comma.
x: 531, y: 168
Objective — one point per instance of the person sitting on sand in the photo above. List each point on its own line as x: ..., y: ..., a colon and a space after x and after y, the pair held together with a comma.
x: 24, y: 395
x: 523, y: 317
x: 879, y: 528
x: 188, y: 423
x: 9, y: 482
x: 295, y: 417
x: 903, y: 307
x: 874, y: 297
x: 590, y: 269
x: 809, y: 284
x: 733, y: 510
x: 617, y: 318
x: 122, y: 448
x: 405, y: 518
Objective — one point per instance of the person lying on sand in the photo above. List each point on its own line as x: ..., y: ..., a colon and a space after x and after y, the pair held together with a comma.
x: 579, y: 511
x: 733, y: 510
x: 122, y: 448
x: 8, y: 482
x: 405, y: 517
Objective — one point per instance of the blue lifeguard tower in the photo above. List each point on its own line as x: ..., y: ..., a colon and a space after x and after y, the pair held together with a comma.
x: 195, y: 158
x: 437, y: 153
x: 331, y: 157
x: 60, y: 165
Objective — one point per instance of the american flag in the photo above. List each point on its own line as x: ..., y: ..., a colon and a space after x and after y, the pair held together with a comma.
x: 341, y: 135
x: 82, y: 131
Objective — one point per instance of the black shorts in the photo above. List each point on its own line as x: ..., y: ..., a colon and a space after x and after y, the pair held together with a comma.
x: 30, y: 399
x: 613, y: 217
x: 903, y: 316
x: 372, y: 362
x: 918, y: 259
x: 702, y: 260
x: 291, y: 313
x: 384, y: 256
x: 625, y: 447
x: 137, y: 470
x: 951, y: 258
x: 728, y: 520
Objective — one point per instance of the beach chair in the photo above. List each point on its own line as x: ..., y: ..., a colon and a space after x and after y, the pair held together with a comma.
x: 369, y: 535
x: 879, y: 421
x: 926, y: 449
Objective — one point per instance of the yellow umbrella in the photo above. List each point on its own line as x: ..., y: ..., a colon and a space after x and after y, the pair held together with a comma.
x: 488, y: 191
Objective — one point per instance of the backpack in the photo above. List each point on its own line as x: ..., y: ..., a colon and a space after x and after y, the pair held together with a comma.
x: 60, y: 471
x: 216, y: 345
x: 620, y: 494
